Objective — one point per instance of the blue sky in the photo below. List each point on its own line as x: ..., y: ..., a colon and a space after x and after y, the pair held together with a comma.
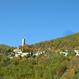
x: 37, y: 20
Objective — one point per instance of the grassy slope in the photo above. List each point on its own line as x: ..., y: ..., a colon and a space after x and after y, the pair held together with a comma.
x: 68, y: 42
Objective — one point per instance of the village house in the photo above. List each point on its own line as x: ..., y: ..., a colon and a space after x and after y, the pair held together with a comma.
x: 65, y: 53
x: 77, y: 52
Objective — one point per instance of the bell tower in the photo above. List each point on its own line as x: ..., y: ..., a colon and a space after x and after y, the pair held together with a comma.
x: 23, y: 41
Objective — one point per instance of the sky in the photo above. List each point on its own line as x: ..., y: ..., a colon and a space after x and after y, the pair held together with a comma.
x: 37, y: 20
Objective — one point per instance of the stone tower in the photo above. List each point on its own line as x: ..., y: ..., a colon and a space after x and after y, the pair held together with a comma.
x: 23, y: 42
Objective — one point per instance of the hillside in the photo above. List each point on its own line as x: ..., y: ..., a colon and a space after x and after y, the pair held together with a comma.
x: 67, y: 42
x: 5, y: 49
x: 50, y: 66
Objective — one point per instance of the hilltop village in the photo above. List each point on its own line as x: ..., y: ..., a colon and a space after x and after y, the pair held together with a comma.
x: 26, y: 51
